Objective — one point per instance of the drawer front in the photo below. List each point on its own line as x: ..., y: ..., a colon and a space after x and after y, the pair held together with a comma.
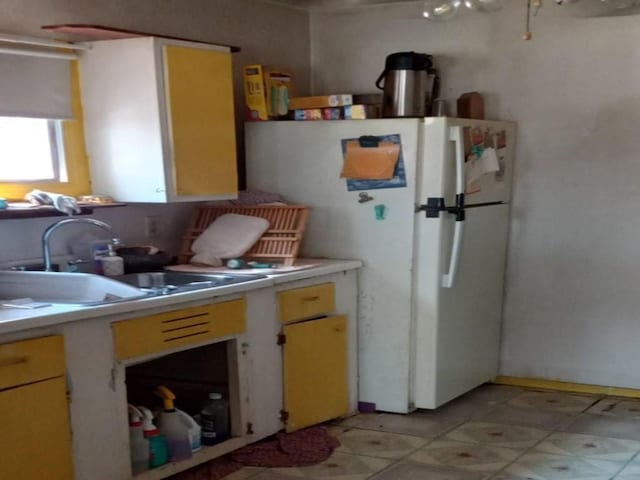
x: 307, y: 302
x: 30, y: 361
x: 155, y: 333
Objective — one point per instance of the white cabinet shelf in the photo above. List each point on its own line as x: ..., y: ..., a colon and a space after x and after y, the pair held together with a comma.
x: 204, y: 455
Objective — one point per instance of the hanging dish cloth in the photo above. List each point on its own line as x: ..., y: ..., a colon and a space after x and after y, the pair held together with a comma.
x: 63, y: 203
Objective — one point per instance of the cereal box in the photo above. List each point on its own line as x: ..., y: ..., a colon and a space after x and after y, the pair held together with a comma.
x: 267, y: 91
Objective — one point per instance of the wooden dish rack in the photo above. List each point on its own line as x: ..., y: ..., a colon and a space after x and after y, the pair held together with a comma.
x: 280, y: 242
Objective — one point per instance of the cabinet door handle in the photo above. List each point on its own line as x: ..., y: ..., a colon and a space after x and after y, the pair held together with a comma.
x: 338, y: 329
x: 10, y: 361
x: 311, y: 299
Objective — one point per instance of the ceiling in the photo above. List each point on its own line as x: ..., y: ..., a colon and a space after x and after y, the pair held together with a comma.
x: 579, y: 8
x: 330, y: 5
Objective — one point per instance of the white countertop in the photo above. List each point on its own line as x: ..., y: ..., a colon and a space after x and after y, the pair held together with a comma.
x: 18, y: 319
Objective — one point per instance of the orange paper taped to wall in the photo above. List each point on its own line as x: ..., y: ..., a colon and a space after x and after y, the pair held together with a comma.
x: 370, y: 163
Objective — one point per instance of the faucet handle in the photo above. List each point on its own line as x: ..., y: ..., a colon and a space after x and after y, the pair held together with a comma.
x: 115, y: 241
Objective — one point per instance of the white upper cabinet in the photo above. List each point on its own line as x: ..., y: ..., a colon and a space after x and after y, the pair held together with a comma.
x: 159, y: 120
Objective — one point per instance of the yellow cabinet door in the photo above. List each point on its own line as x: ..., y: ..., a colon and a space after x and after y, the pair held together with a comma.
x: 35, y: 440
x: 199, y: 90
x: 315, y: 371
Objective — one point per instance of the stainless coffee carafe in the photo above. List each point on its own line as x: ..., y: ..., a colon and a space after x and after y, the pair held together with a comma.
x: 410, y: 85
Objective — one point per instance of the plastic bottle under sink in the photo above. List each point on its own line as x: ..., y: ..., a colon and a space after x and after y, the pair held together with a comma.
x: 172, y: 426
x: 138, y: 444
x: 158, y: 449
x: 195, y: 431
x: 215, y: 419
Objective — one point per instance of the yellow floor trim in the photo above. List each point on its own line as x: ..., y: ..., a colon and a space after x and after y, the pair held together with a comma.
x: 567, y: 386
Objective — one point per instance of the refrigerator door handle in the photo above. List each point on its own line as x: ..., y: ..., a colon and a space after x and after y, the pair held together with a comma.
x: 456, y: 135
x: 449, y: 278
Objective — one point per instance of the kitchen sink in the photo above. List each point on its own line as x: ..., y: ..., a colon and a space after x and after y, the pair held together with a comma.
x: 164, y: 283
x: 29, y: 289
x: 33, y: 289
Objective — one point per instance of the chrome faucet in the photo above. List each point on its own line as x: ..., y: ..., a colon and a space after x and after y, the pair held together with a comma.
x: 46, y: 254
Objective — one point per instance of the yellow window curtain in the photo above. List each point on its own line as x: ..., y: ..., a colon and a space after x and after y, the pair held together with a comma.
x: 75, y: 154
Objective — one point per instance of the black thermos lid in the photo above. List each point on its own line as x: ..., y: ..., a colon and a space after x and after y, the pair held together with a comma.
x: 408, y: 61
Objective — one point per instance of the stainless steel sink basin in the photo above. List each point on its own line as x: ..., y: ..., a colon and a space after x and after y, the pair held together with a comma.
x: 66, y: 288
x: 36, y: 289
x: 164, y: 283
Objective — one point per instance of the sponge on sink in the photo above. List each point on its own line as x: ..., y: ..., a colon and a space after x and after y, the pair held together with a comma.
x: 229, y: 236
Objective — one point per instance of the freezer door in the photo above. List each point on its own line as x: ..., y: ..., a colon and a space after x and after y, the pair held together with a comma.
x: 457, y: 329
x: 488, y: 150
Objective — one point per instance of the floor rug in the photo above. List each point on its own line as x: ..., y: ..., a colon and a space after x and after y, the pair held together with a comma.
x: 298, y: 449
x: 215, y: 469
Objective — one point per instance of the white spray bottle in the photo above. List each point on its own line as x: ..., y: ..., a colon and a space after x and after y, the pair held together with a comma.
x: 138, y: 445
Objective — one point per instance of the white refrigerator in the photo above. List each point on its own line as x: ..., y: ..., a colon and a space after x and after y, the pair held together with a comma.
x: 433, y: 241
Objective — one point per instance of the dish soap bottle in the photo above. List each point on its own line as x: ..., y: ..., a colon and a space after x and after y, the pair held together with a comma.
x: 172, y: 427
x: 112, y: 264
x: 214, y: 418
x: 138, y: 445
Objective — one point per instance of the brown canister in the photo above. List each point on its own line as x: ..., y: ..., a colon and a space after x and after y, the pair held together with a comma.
x: 471, y: 105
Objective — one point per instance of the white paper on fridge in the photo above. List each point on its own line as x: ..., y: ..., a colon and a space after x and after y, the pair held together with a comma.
x: 479, y: 166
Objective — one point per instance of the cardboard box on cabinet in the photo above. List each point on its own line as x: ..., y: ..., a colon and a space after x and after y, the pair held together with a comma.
x: 347, y: 112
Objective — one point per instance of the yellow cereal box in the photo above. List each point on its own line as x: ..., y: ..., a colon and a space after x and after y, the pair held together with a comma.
x: 267, y: 91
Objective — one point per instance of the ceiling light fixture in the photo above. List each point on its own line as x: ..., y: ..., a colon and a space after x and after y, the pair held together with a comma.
x: 447, y: 9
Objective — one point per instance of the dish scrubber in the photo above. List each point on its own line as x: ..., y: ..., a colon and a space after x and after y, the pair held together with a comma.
x: 238, y: 263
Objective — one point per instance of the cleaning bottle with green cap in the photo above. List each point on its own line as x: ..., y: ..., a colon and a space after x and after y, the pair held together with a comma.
x: 158, y: 450
x: 172, y: 427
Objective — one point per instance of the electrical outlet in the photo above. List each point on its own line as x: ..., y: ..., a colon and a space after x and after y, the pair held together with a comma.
x: 151, y: 227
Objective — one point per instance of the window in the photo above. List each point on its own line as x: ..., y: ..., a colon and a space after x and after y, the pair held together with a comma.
x: 72, y: 162
x: 31, y: 150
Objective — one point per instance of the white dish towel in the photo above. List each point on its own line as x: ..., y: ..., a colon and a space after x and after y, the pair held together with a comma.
x: 229, y: 236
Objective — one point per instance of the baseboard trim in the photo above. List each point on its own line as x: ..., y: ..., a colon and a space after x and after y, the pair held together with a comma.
x: 567, y: 386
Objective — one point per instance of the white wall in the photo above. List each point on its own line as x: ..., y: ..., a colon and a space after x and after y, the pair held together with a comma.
x: 267, y: 34
x: 573, y: 282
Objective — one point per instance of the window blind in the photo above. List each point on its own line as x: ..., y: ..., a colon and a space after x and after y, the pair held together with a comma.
x: 35, y: 87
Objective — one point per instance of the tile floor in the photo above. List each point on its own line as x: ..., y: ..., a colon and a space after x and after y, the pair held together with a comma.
x: 492, y: 433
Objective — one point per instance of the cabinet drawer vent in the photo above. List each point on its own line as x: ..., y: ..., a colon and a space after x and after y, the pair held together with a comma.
x: 185, y: 327
x: 146, y: 335
x: 180, y: 319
